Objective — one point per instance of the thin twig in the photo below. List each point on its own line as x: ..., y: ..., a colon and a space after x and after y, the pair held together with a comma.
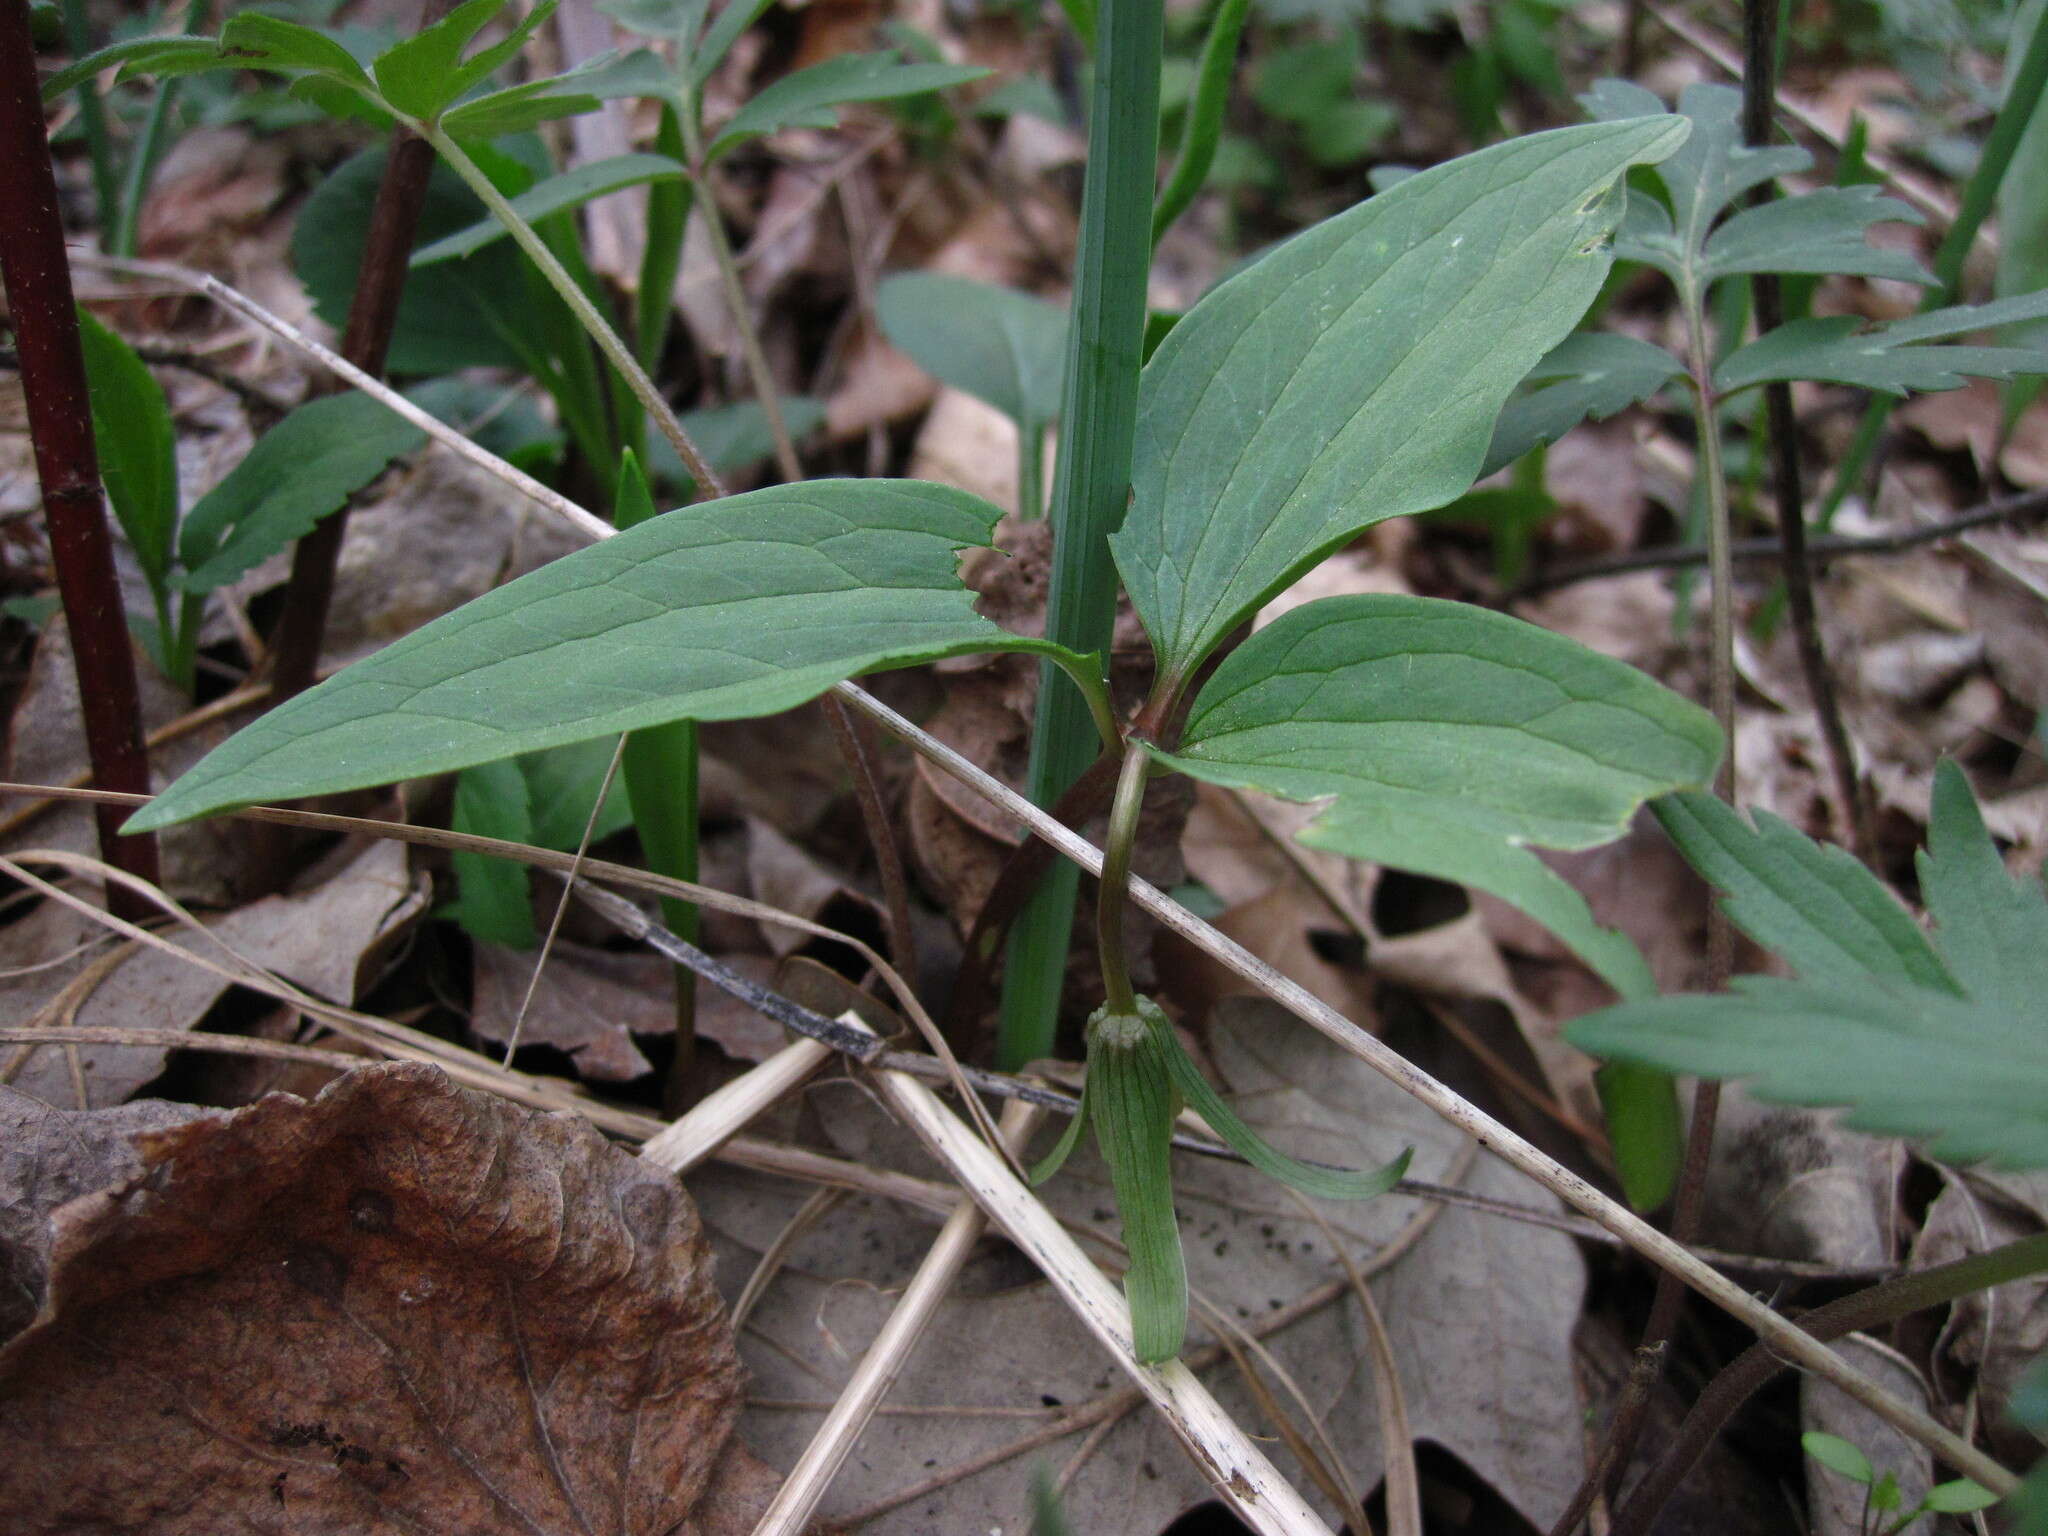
x: 1760, y: 42
x: 2022, y: 507
x: 808, y: 1480
x: 1232, y: 1464
x: 856, y: 744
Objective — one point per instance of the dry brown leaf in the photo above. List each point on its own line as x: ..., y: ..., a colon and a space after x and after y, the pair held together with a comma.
x: 329, y: 940
x: 401, y: 1307
x: 202, y: 861
x: 1992, y: 1336
x: 588, y: 1003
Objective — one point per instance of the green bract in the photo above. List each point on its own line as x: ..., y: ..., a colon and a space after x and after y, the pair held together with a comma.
x: 723, y: 610
x: 1354, y: 374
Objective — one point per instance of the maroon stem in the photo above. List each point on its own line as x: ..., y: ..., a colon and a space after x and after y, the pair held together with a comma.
x: 38, y: 282
x: 372, y: 317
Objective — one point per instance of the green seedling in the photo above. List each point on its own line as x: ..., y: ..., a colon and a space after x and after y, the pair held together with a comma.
x: 1343, y: 379
x: 302, y: 469
x: 1881, y: 1514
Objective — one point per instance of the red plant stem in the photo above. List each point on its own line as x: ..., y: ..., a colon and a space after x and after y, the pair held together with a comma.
x: 372, y: 317
x: 37, y: 276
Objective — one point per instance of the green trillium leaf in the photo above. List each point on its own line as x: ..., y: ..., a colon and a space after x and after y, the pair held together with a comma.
x: 1354, y: 374
x: 723, y: 610
x: 1447, y: 739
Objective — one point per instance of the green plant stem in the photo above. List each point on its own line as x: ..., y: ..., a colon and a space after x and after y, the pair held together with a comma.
x: 1031, y: 469
x: 1204, y: 116
x: 92, y: 116
x: 1979, y: 193
x: 1880, y: 1304
x: 736, y: 297
x: 709, y: 486
x: 1668, y: 1299
x: 142, y: 159
x: 1092, y: 479
x: 1117, y: 845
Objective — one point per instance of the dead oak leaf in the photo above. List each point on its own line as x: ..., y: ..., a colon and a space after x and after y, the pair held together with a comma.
x: 401, y: 1307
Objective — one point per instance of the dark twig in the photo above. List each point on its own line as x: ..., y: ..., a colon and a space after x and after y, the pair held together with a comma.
x: 38, y: 282
x: 372, y: 317
x: 1643, y: 1373
x: 1760, y: 42
x: 1884, y: 1303
x: 2024, y: 507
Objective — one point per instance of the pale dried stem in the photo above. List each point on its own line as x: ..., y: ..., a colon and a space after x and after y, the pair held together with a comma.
x: 808, y: 1480
x: 726, y: 1111
x: 808, y: 1215
x: 1234, y: 1466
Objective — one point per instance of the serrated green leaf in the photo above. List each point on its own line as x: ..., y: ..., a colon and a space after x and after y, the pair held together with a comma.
x: 557, y: 194
x: 1812, y: 902
x: 1447, y: 738
x: 1837, y: 1455
x: 807, y: 98
x: 519, y: 108
x: 1701, y: 181
x: 339, y: 102
x: 1001, y: 346
x: 137, y: 446
x: 305, y: 467
x: 733, y: 19
x: 493, y: 900
x: 1991, y: 927
x: 1354, y: 373
x: 159, y: 56
x: 257, y: 41
x: 1590, y: 374
x: 1968, y: 1073
x: 723, y: 610
x: 1819, y: 232
x: 1836, y: 349
x: 426, y: 72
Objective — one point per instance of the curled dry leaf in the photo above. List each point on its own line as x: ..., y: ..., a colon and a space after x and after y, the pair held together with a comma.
x: 401, y: 1307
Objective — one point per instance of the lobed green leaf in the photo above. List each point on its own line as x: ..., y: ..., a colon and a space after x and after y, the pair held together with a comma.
x: 723, y: 610
x: 1818, y: 232
x: 519, y: 108
x: 427, y: 71
x: 1959, y: 1062
x: 1594, y: 374
x: 1837, y: 349
x: 1446, y: 739
x: 159, y: 56
x: 1354, y: 373
x: 1811, y: 902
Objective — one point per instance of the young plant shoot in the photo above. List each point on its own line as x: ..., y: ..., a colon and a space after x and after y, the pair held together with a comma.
x: 1362, y: 367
